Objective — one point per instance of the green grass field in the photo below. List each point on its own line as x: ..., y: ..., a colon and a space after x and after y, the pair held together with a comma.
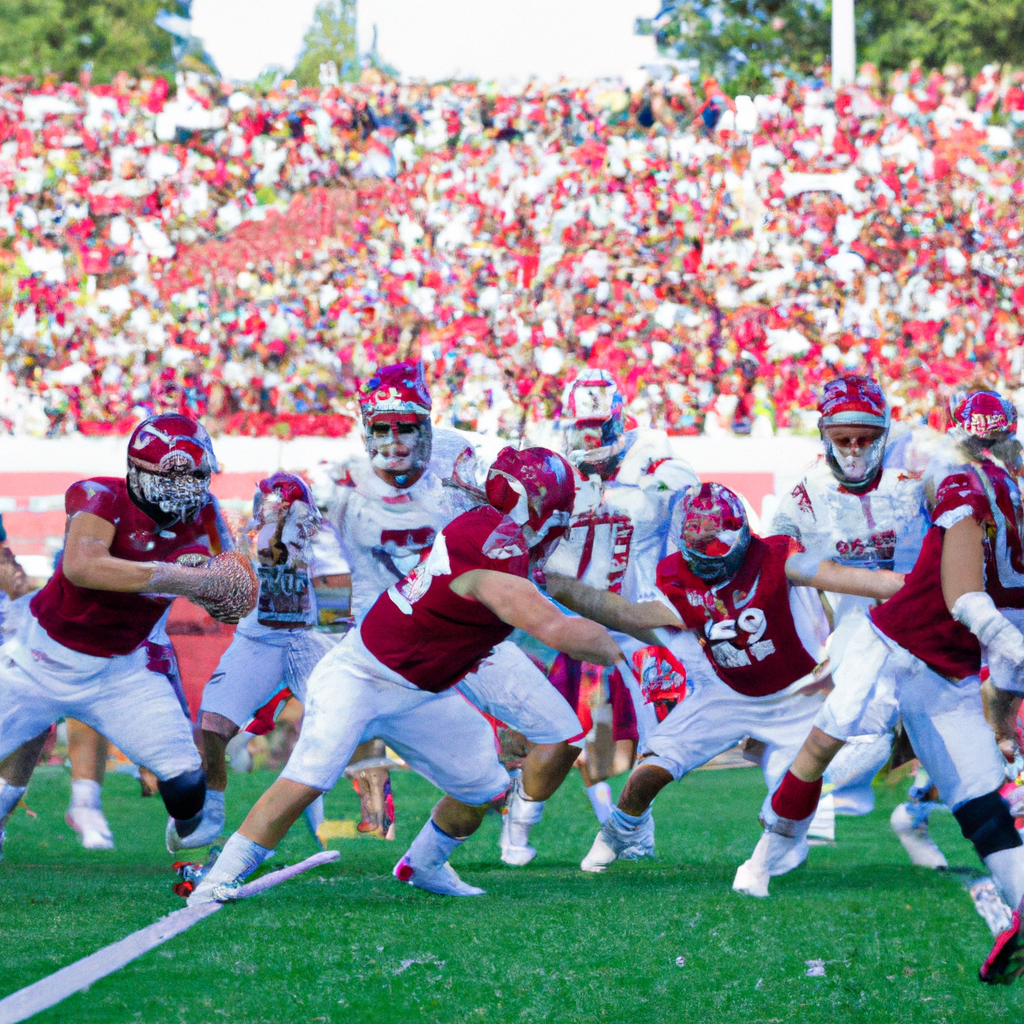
x: 548, y: 943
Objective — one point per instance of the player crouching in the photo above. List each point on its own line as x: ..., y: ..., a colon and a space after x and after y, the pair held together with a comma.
x: 130, y: 547
x: 763, y: 631
x: 393, y: 677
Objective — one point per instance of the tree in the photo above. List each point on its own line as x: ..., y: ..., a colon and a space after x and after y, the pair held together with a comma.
x: 741, y: 42
x: 63, y: 36
x: 971, y: 33
x: 331, y: 37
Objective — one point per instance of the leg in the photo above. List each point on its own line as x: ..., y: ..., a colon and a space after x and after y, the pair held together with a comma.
x: 465, y: 765
x: 139, y: 712
x: 88, y: 752
x: 709, y: 720
x: 15, y: 771
x: 248, y: 675
x: 26, y: 713
x: 511, y: 688
x: 646, y: 782
x: 341, y: 697
x: 946, y: 723
x: 373, y: 784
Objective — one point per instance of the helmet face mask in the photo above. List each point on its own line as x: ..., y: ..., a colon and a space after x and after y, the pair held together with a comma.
x: 395, y: 405
x: 170, y: 462
x: 854, y: 428
x: 399, y: 447
x: 854, y: 453
x: 594, y: 418
x: 715, y: 534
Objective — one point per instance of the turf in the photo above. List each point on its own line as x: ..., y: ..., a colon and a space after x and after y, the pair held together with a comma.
x: 660, y: 941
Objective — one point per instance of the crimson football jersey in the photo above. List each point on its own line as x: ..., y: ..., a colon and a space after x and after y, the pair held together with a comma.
x: 917, y: 617
x: 747, y: 625
x: 105, y: 623
x: 427, y: 633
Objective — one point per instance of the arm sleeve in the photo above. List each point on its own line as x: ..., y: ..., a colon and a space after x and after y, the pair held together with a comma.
x: 91, y: 496
x: 959, y: 496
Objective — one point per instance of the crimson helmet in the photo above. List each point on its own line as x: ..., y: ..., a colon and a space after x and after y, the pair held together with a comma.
x: 984, y: 415
x: 535, y: 489
x: 170, y: 460
x: 715, y: 533
x: 847, y: 402
x: 276, y: 494
x: 397, y: 392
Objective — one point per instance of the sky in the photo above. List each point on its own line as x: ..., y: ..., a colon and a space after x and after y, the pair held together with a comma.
x: 435, y: 39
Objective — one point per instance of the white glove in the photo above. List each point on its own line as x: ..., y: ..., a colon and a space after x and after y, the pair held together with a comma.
x: 977, y: 611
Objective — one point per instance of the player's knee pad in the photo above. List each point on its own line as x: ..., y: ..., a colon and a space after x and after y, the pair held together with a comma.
x: 185, y: 794
x: 986, y: 821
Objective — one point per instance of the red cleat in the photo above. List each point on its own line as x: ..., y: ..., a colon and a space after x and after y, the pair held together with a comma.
x: 1005, y: 963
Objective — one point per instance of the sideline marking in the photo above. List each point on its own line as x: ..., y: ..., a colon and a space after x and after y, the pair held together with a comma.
x: 56, y: 987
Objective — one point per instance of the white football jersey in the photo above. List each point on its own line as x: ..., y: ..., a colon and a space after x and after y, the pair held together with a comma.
x: 620, y: 527
x: 881, y: 529
x: 384, y: 531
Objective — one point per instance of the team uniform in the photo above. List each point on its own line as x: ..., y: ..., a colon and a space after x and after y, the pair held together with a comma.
x: 879, y: 528
x: 88, y: 654
x: 275, y: 645
x: 763, y: 645
x: 933, y: 662
x: 394, y: 676
x: 764, y: 642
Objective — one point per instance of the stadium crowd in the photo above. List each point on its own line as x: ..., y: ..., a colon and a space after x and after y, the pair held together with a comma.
x: 246, y: 258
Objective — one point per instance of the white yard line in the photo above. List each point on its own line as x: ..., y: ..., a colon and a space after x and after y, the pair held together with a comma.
x: 56, y: 987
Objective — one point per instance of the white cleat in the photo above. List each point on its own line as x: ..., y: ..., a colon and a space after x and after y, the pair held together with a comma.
x: 775, y: 854
x: 442, y: 879
x: 823, y: 824
x: 92, y: 828
x: 209, y: 829
x: 613, y: 843
x: 517, y: 818
x: 920, y: 846
x: 511, y: 854
x: 752, y: 876
x: 213, y: 892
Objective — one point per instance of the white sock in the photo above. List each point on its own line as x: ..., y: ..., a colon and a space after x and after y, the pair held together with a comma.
x: 9, y: 797
x: 432, y: 847
x: 601, y: 800
x: 1007, y: 867
x: 239, y: 859
x: 214, y: 802
x: 628, y: 821
x: 524, y: 814
x: 85, y: 793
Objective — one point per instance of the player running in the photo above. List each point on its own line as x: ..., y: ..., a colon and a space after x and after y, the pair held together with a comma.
x: 862, y: 505
x: 750, y: 601
x: 395, y: 675
x: 130, y: 546
x: 927, y: 643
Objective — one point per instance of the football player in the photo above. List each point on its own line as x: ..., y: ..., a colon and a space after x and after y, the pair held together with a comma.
x: 395, y: 675
x: 131, y: 545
